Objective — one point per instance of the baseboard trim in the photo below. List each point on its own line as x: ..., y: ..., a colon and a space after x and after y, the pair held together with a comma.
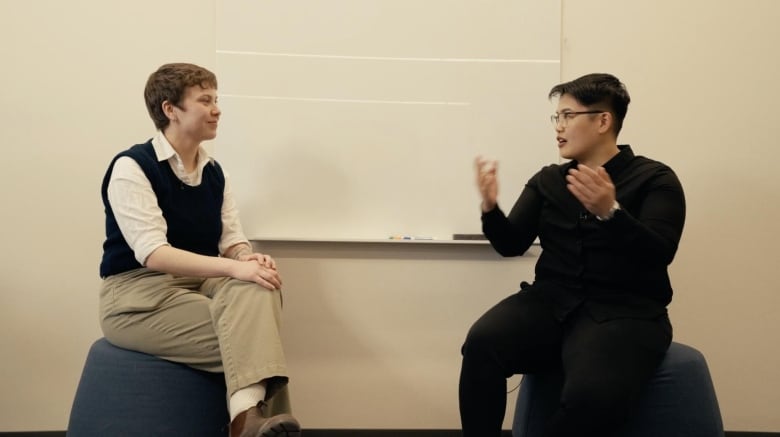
x: 376, y: 433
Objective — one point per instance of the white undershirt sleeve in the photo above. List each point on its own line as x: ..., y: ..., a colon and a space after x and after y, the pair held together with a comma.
x: 135, y: 208
x: 232, y: 233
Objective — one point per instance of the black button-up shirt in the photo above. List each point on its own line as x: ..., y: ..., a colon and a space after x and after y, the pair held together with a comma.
x: 618, y: 267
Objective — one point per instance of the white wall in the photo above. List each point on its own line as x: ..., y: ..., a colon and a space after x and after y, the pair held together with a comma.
x: 702, y: 75
x: 703, y: 78
x: 72, y: 80
x: 373, y: 331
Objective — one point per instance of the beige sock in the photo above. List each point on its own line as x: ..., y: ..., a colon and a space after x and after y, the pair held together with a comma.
x: 246, y: 398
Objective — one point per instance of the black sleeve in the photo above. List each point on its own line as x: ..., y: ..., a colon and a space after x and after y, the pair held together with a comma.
x: 513, y: 235
x: 651, y: 230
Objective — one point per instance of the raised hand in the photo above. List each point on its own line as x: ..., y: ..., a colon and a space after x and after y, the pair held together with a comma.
x: 487, y: 182
x: 593, y: 188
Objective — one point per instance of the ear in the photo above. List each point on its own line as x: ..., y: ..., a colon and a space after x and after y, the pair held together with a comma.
x: 605, y: 122
x: 168, y: 110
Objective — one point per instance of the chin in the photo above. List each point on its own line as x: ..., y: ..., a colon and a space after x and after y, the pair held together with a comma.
x: 567, y: 152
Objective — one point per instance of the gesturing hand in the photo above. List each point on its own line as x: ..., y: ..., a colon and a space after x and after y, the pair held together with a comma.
x: 487, y: 183
x: 593, y: 188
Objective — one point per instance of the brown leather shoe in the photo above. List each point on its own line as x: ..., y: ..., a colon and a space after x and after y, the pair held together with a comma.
x: 253, y: 423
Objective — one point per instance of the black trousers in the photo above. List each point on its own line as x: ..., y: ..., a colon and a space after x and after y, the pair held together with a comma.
x: 605, y: 364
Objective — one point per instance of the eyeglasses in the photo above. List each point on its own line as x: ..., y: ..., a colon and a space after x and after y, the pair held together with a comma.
x: 564, y: 117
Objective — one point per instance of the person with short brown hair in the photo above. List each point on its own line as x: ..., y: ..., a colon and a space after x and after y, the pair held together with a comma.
x: 180, y: 279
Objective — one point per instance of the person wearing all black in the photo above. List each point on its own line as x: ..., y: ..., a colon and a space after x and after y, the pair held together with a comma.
x: 609, y: 223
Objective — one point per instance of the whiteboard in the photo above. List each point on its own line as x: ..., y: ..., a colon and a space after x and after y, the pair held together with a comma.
x: 359, y: 119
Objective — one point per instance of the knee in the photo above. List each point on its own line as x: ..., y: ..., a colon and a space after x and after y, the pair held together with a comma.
x: 481, y: 340
x: 238, y: 289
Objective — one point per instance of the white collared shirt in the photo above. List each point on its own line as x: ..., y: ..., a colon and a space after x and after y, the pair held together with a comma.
x: 135, y: 204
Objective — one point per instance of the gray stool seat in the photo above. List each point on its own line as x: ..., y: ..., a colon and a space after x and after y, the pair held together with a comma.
x: 679, y: 400
x: 128, y: 393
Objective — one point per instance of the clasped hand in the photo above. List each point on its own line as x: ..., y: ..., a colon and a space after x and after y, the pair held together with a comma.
x: 259, y: 268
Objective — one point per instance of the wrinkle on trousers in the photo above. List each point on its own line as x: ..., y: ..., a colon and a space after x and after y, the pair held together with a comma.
x: 214, y: 324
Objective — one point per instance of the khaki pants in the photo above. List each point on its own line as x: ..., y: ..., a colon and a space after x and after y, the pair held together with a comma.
x: 215, y: 324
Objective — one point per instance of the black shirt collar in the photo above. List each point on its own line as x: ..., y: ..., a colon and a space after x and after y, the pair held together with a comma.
x: 615, y: 165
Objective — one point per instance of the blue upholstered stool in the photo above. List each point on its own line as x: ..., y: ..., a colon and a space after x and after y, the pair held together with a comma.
x: 127, y: 393
x: 679, y: 401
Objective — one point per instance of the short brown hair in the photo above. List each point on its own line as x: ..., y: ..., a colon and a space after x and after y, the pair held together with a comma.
x: 169, y: 83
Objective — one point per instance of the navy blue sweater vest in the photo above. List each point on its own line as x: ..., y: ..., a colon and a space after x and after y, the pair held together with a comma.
x: 193, y: 214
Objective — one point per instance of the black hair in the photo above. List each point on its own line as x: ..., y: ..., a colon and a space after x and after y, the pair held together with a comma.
x: 602, y: 89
